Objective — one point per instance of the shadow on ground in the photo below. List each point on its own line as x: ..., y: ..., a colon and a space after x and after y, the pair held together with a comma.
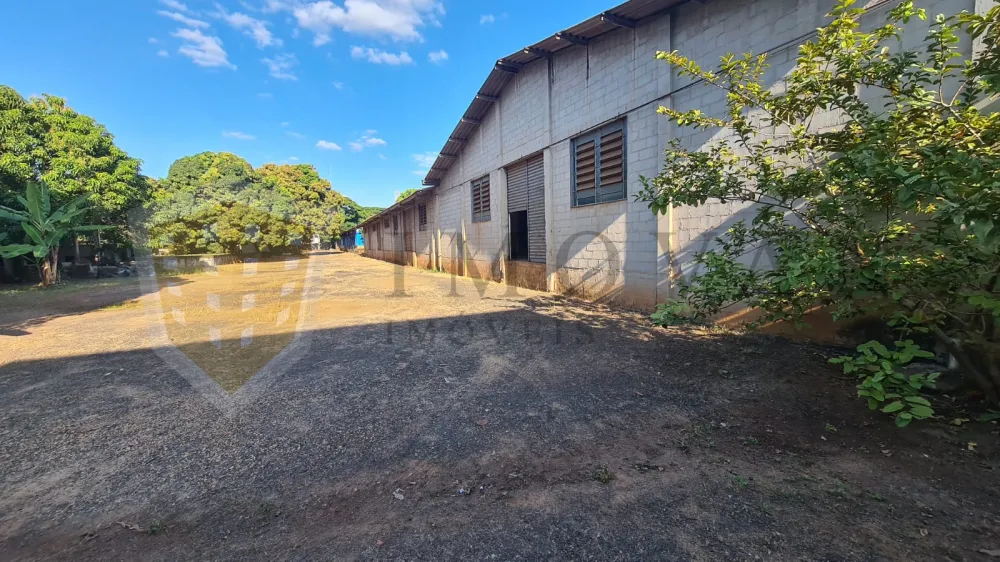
x: 27, y: 308
x: 542, y: 432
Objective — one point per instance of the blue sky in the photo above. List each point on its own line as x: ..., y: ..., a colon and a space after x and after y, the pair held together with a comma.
x: 366, y: 90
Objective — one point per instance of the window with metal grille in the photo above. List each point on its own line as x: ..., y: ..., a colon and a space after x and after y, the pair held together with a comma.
x: 599, y: 165
x: 422, y: 217
x: 395, y: 224
x: 481, y: 199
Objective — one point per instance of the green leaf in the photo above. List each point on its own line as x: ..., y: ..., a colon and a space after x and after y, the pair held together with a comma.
x: 921, y: 412
x: 917, y: 400
x: 15, y: 250
x: 34, y: 204
x: 92, y: 227
x: 12, y: 215
x: 35, y: 235
x: 893, y: 407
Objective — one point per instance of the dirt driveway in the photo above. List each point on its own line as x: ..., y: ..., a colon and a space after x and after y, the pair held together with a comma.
x: 453, y: 422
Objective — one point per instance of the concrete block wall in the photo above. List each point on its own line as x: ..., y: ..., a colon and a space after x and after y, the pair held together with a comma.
x: 617, y: 251
x: 424, y: 240
x: 467, y: 247
x: 523, y: 113
x: 449, y: 218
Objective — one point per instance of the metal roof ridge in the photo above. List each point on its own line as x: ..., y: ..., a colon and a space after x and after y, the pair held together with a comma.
x: 507, y: 68
x: 397, y: 204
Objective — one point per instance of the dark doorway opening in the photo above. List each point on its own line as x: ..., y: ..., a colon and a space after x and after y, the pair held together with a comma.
x: 519, y: 235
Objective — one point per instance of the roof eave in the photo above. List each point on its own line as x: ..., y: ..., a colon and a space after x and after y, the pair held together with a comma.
x: 626, y: 15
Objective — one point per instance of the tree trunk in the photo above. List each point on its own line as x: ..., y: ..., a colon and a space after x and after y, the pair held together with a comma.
x: 76, y: 244
x: 50, y: 268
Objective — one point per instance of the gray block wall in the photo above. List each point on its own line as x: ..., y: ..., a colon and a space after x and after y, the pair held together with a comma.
x: 619, y: 251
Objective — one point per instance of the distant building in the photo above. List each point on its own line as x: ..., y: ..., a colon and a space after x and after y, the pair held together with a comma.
x: 352, y: 239
x: 536, y: 185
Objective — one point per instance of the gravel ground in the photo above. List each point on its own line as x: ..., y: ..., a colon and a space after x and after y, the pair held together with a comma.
x: 455, y: 424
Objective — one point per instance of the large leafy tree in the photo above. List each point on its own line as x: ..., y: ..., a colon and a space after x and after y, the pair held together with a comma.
x: 43, y: 139
x: 217, y: 202
x: 892, y: 213
x: 318, y: 208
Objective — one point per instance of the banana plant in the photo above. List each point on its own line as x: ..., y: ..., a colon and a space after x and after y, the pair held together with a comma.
x: 43, y: 228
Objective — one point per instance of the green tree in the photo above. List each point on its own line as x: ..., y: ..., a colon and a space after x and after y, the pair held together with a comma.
x: 217, y: 202
x: 318, y: 208
x: 892, y: 213
x: 43, y: 228
x: 406, y: 193
x: 43, y: 139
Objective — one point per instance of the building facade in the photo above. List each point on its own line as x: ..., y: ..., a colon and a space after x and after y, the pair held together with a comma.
x: 536, y: 186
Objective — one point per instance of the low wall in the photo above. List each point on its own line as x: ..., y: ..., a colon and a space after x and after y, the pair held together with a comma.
x: 453, y: 266
x: 526, y: 274
x: 424, y: 261
x: 193, y: 263
x: 484, y: 270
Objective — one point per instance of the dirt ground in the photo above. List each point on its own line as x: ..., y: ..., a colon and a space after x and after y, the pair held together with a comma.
x: 427, y: 417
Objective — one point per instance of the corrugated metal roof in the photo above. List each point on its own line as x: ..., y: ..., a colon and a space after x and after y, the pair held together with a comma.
x: 420, y: 194
x: 627, y: 14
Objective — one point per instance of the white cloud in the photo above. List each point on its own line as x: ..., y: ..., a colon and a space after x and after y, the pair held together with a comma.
x: 295, y: 135
x: 425, y: 160
x: 175, y: 5
x: 238, y: 135
x: 293, y: 158
x: 377, y: 56
x: 327, y: 145
x: 176, y: 16
x: 281, y: 66
x: 437, y: 57
x: 285, y: 123
x: 162, y: 53
x: 367, y: 140
x: 271, y: 6
x: 153, y: 40
x: 251, y: 26
x: 383, y: 157
x: 264, y: 95
x: 338, y: 85
x: 395, y: 19
x: 203, y: 50
x: 487, y: 18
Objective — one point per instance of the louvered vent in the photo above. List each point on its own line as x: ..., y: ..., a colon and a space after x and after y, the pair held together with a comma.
x: 481, y: 199
x: 586, y: 173
x: 599, y: 165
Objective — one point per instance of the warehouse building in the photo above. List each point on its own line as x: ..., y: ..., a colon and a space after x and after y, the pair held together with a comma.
x: 536, y: 185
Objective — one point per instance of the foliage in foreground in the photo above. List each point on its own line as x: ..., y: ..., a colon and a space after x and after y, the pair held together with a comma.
x: 891, y: 213
x: 44, y: 229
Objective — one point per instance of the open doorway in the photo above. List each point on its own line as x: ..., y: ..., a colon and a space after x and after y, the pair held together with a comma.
x: 519, y: 235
